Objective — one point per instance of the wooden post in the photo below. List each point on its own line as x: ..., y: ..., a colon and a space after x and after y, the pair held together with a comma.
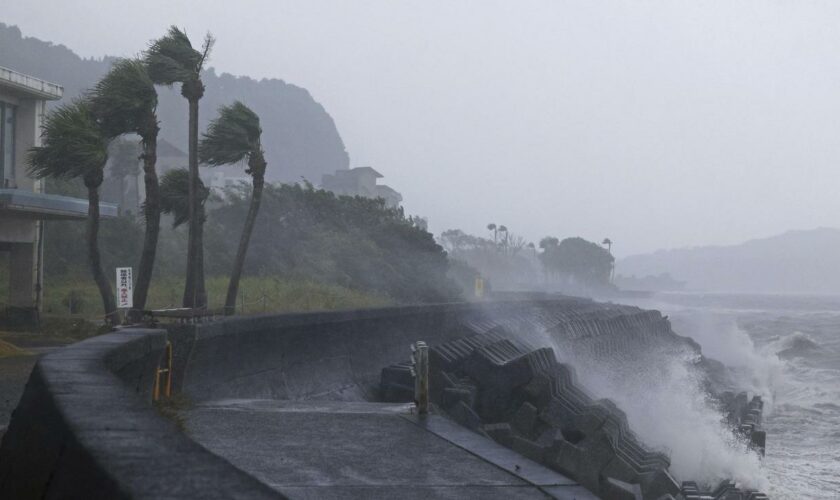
x: 420, y: 358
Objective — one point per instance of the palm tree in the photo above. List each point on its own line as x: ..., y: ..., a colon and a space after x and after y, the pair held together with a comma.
x: 124, y: 102
x: 174, y: 197
x: 504, y: 229
x: 532, y: 247
x: 74, y: 146
x: 492, y: 227
x: 231, y: 138
x: 172, y: 59
x: 608, y: 243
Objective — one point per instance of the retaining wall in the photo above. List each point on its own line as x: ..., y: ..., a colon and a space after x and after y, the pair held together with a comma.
x: 85, y: 426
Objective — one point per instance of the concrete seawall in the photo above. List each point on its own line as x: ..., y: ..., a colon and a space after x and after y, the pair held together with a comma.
x: 85, y: 426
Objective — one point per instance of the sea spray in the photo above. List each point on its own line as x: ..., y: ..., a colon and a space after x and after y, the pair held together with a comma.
x: 667, y: 407
x: 749, y: 369
x: 662, y: 388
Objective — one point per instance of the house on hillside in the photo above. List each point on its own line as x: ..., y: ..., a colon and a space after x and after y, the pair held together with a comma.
x: 124, y: 184
x: 169, y: 156
x: 361, y: 181
x: 24, y: 206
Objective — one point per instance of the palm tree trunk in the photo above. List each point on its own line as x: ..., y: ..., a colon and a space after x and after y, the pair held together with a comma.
x: 112, y: 317
x: 195, y: 294
x: 152, y: 216
x: 239, y: 262
x: 200, y: 291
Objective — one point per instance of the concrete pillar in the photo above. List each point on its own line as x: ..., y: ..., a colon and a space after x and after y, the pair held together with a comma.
x: 30, y: 114
x: 21, y: 268
x: 38, y: 267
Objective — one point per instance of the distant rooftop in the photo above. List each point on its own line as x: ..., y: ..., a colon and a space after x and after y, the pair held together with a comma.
x: 166, y: 148
x: 29, y: 86
x: 367, y: 170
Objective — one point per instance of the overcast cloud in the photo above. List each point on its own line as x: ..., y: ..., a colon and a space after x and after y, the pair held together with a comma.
x: 657, y: 123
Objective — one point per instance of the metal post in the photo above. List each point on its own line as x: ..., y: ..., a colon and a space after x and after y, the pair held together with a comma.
x: 420, y: 359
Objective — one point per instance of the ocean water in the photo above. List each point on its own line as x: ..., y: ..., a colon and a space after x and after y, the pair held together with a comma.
x: 784, y: 348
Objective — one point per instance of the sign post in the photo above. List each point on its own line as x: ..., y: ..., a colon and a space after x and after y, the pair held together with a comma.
x: 125, y: 288
x: 479, y: 287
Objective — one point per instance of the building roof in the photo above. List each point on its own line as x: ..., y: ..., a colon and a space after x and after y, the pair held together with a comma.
x: 166, y: 148
x: 385, y: 189
x: 29, y: 86
x: 360, y: 170
x: 49, y: 206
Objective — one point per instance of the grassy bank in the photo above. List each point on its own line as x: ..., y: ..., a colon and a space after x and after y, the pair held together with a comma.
x: 79, y: 296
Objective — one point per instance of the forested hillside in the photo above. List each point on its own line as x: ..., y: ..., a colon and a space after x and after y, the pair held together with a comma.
x: 300, y: 137
x: 793, y: 262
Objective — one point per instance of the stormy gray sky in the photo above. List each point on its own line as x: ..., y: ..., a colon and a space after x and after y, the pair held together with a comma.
x: 660, y: 124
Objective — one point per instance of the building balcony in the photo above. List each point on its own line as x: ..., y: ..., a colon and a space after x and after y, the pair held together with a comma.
x: 27, y: 204
x: 29, y: 85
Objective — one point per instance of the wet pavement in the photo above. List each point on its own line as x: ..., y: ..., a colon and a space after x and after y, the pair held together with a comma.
x: 367, y: 450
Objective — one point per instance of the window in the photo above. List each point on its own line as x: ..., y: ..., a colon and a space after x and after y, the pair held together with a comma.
x: 7, y: 143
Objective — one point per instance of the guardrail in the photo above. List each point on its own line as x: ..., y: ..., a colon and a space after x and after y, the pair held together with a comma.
x: 30, y: 83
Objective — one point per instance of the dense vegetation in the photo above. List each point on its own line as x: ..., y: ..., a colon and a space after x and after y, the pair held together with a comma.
x: 508, y: 262
x: 577, y: 261
x: 301, y: 235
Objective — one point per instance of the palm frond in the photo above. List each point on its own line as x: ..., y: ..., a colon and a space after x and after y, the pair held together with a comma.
x: 206, y: 48
x: 125, y: 99
x: 73, y: 145
x: 172, y: 58
x: 174, y: 195
x: 231, y: 137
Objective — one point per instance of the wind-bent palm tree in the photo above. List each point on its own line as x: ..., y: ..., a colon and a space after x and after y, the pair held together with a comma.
x: 231, y: 138
x: 504, y: 229
x: 492, y: 227
x: 74, y: 146
x: 124, y: 102
x: 172, y: 59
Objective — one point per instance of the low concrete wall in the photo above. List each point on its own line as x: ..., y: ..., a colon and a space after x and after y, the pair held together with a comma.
x: 85, y: 427
x: 332, y: 355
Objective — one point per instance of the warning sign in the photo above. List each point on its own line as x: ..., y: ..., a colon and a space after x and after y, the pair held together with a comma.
x: 125, y: 288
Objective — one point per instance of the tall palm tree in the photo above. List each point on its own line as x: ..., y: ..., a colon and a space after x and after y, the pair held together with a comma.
x: 74, y: 146
x: 124, y: 102
x: 504, y: 229
x: 608, y: 243
x: 231, y: 138
x: 172, y: 59
x: 492, y: 227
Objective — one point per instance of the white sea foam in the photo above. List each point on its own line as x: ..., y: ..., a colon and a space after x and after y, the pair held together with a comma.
x: 668, y: 409
x: 662, y: 392
x: 753, y: 370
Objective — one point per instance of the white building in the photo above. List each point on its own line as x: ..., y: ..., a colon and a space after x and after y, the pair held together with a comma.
x: 23, y: 204
x: 361, y: 181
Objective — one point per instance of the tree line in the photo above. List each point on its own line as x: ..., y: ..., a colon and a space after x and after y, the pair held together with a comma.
x: 509, y: 260
x: 302, y: 234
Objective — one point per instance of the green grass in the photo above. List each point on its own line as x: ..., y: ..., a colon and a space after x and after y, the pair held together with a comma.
x: 260, y: 294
